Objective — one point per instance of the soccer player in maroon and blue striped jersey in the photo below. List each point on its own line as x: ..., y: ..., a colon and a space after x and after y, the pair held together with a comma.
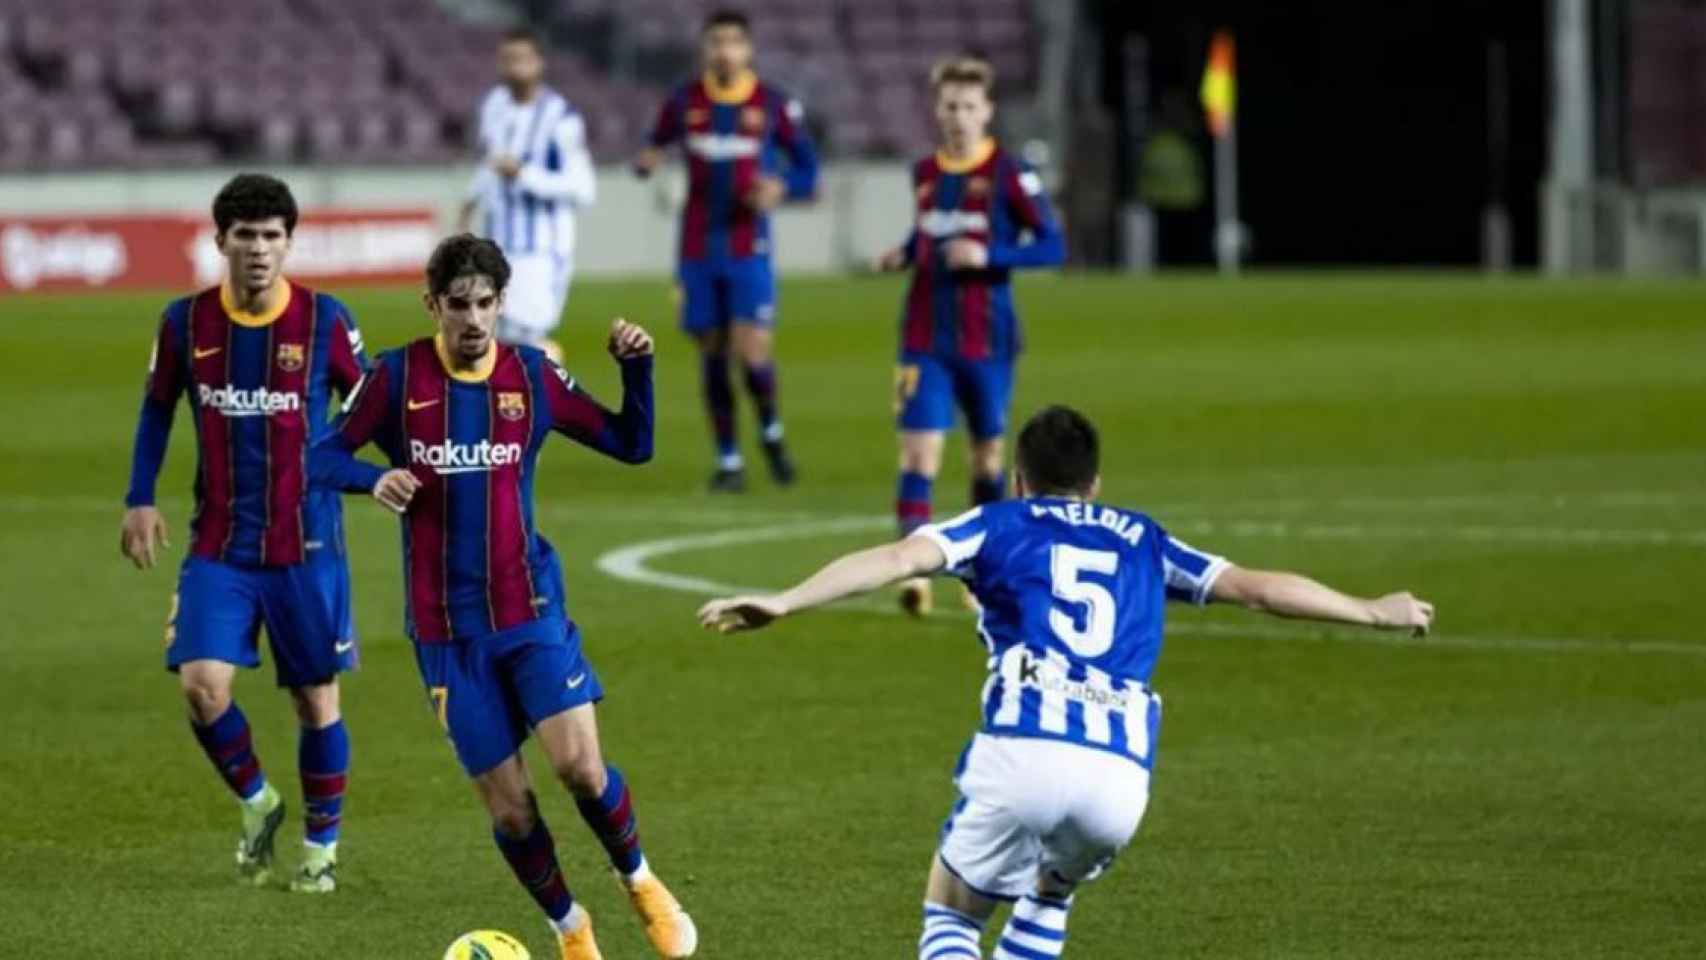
x: 747, y: 151
x: 258, y: 358
x: 980, y: 214
x: 462, y: 419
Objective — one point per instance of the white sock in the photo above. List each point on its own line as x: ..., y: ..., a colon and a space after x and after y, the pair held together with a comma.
x: 730, y: 461
x: 773, y: 433
x: 257, y: 801
x: 1037, y: 927
x: 948, y: 935
x: 572, y: 921
x: 641, y: 874
x: 321, y: 851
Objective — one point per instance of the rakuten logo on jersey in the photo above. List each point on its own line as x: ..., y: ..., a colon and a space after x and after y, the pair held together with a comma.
x: 449, y: 457
x: 722, y: 146
x: 32, y: 256
x: 259, y: 402
x: 949, y: 223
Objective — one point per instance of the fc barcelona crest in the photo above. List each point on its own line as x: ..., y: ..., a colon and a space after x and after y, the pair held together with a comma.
x: 511, y: 406
x: 695, y: 116
x: 290, y: 357
x: 925, y: 189
x: 752, y: 118
x: 977, y: 186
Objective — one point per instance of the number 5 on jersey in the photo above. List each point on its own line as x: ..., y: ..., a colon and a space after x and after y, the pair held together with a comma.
x: 1068, y: 564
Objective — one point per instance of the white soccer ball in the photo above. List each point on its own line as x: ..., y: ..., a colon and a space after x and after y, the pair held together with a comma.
x: 487, y: 945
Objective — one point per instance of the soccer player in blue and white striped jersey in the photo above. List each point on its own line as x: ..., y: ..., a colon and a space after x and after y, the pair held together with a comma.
x: 1073, y: 594
x: 535, y: 175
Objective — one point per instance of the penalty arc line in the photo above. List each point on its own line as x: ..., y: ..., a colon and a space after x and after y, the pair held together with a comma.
x: 632, y: 563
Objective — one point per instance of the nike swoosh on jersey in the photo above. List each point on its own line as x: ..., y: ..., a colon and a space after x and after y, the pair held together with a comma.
x: 421, y: 404
x: 343, y: 646
x: 575, y: 681
x: 204, y: 354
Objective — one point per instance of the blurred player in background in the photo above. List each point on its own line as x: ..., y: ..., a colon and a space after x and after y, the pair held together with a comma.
x: 1055, y: 781
x: 258, y: 357
x: 535, y: 175
x: 735, y: 132
x: 462, y: 419
x: 980, y: 214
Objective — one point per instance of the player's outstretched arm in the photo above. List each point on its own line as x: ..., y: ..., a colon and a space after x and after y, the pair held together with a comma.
x: 847, y: 576
x: 1292, y: 595
x: 332, y: 463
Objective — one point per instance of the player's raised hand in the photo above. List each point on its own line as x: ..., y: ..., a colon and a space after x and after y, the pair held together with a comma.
x: 506, y: 166
x: 142, y: 533
x: 740, y: 613
x: 395, y: 489
x: 629, y: 340
x: 1402, y: 611
x: 964, y: 254
x: 766, y: 193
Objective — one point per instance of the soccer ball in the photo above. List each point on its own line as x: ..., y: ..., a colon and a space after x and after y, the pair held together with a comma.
x: 487, y: 945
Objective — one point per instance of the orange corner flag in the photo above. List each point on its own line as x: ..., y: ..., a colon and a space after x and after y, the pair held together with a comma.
x: 1219, y: 84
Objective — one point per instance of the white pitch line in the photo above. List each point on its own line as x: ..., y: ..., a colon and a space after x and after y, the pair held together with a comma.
x: 632, y: 563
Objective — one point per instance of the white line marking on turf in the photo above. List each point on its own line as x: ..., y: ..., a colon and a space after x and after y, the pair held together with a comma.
x: 631, y: 563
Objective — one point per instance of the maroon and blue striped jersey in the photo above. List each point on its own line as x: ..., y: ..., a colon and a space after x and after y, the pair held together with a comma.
x: 995, y: 199
x: 732, y: 135
x: 259, y: 389
x: 473, y: 560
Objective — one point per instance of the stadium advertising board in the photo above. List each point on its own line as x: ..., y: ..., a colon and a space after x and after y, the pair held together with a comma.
x: 61, y: 253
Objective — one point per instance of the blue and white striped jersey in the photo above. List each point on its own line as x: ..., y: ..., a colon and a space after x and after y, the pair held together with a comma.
x: 534, y: 213
x: 1073, y: 598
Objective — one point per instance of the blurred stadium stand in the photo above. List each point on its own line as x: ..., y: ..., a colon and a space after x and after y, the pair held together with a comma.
x: 179, y: 83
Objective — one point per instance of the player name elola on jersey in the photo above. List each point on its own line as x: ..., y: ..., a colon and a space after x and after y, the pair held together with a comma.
x: 1080, y: 514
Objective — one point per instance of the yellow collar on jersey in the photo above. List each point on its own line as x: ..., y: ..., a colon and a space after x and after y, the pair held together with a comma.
x: 244, y: 318
x: 738, y: 91
x: 482, y: 370
x: 979, y: 155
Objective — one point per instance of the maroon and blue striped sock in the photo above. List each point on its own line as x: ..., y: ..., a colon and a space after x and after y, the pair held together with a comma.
x: 761, y: 384
x: 322, y: 756
x: 988, y: 489
x: 912, y: 501
x: 611, y: 817
x: 720, y: 402
x: 533, y: 859
x: 227, y: 742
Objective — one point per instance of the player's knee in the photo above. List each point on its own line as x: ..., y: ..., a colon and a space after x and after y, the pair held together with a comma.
x: 583, y: 774
x: 514, y: 817
x: 316, y: 706
x: 207, y: 697
x: 987, y: 458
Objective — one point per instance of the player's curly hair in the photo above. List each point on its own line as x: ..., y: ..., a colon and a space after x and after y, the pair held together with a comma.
x: 964, y: 69
x: 465, y: 255
x: 254, y: 196
x: 1059, y: 452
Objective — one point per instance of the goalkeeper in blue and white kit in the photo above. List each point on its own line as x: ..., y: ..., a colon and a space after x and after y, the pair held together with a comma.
x: 1073, y: 592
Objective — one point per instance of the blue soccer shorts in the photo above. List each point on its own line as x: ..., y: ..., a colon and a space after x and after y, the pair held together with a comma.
x: 489, y: 691
x: 718, y: 292
x: 220, y: 608
x: 929, y: 386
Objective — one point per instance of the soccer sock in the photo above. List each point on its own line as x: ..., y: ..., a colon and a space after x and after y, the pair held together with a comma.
x: 912, y: 501
x: 323, y: 758
x: 949, y: 935
x: 988, y: 489
x: 1035, y: 931
x: 227, y: 743
x: 720, y: 404
x: 761, y: 383
x: 611, y: 817
x: 533, y: 859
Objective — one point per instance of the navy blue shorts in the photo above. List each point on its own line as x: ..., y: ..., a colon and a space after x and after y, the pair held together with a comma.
x: 928, y: 387
x: 489, y: 691
x: 716, y: 293
x: 220, y: 608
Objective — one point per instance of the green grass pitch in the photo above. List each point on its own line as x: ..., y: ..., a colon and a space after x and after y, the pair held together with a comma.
x: 1529, y: 454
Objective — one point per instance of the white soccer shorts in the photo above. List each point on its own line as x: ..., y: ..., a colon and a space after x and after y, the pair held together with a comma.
x: 1029, y: 805
x: 533, y: 302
